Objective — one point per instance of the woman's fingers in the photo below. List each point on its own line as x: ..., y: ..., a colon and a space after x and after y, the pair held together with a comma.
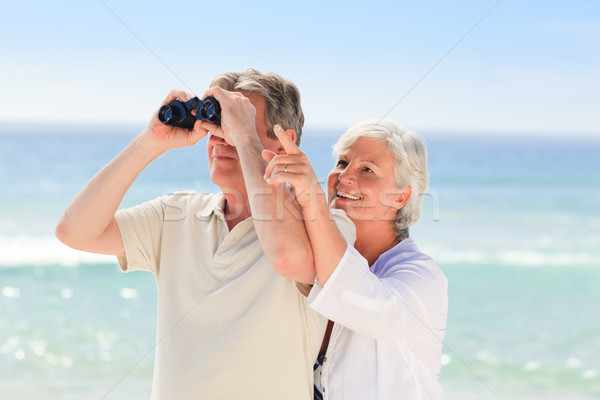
x: 283, y: 163
x: 288, y: 144
x: 268, y: 155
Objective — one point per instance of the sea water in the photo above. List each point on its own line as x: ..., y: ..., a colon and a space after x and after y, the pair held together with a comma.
x: 513, y: 221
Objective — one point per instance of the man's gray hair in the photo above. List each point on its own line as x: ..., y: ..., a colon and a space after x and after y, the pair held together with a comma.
x: 281, y: 95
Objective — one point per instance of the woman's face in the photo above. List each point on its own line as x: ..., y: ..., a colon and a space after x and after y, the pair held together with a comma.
x: 362, y: 183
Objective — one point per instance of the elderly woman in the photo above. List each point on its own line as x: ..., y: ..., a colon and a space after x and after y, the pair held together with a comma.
x: 386, y: 300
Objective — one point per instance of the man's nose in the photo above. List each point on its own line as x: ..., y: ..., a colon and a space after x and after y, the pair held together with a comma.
x: 216, y: 140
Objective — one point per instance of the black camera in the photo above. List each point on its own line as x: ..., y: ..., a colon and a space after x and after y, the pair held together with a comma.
x: 178, y: 113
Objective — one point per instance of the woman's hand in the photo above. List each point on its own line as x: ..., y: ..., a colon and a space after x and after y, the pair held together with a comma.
x: 295, y: 169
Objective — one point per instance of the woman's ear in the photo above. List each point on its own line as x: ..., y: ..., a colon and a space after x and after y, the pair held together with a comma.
x: 401, y: 198
x: 292, y: 135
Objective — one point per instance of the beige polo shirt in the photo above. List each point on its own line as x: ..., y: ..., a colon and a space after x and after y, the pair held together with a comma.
x: 229, y: 327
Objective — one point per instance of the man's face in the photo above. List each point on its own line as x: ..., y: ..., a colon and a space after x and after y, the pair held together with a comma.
x: 223, y: 161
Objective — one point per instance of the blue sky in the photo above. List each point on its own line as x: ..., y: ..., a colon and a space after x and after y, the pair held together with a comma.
x: 527, y: 66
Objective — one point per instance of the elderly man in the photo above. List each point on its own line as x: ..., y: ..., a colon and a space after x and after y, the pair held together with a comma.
x: 231, y: 324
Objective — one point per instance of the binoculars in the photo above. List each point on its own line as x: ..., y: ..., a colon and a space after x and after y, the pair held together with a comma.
x: 178, y: 113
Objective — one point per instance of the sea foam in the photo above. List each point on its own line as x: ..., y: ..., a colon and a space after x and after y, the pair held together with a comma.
x: 513, y: 257
x: 22, y: 251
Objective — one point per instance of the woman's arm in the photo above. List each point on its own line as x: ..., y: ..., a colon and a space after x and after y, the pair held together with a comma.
x: 327, y: 242
x: 275, y: 213
x: 408, y: 300
x: 404, y: 302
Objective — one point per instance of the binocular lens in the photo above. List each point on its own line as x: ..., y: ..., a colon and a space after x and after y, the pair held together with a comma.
x: 179, y: 114
x: 172, y: 113
x: 207, y: 110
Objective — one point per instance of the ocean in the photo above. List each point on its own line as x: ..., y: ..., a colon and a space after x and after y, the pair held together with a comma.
x: 513, y: 221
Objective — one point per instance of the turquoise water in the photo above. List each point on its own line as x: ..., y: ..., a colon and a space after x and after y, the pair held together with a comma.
x: 514, y: 222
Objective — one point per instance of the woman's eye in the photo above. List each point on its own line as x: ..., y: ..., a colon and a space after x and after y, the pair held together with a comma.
x: 341, y: 163
x: 367, y: 169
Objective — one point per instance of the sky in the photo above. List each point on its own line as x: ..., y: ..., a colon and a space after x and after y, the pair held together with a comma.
x: 493, y: 66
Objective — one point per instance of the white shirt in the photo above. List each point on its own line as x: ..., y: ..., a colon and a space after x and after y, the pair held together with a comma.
x: 390, y: 321
x: 229, y: 327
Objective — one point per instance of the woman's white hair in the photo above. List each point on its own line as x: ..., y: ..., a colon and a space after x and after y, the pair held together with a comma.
x: 410, y: 163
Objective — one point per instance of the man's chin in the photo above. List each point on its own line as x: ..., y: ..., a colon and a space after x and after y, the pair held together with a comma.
x: 219, y: 178
x: 226, y: 180
x: 224, y: 170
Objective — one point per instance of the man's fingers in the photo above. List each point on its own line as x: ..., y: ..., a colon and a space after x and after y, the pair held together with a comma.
x: 214, y: 92
x: 176, y: 94
x: 215, y: 130
x: 288, y: 144
x: 198, y: 132
x: 220, y: 94
x: 209, y: 126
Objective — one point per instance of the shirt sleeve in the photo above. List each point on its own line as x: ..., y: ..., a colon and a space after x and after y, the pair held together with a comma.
x: 141, y: 229
x: 348, y: 231
x: 400, y: 305
x: 344, y: 224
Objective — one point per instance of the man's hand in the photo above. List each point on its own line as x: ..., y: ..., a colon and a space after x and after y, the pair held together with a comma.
x: 170, y: 137
x: 238, y: 116
x: 88, y: 223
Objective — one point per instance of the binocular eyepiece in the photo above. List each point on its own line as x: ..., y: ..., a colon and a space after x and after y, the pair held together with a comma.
x: 178, y: 113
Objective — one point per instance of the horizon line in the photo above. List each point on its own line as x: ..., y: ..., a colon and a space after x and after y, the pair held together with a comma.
x: 118, y: 128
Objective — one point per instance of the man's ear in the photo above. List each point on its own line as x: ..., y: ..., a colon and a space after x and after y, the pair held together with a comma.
x: 292, y: 135
x: 401, y: 198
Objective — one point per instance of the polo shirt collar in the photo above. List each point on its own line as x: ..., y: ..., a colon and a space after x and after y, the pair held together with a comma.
x: 215, y: 205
